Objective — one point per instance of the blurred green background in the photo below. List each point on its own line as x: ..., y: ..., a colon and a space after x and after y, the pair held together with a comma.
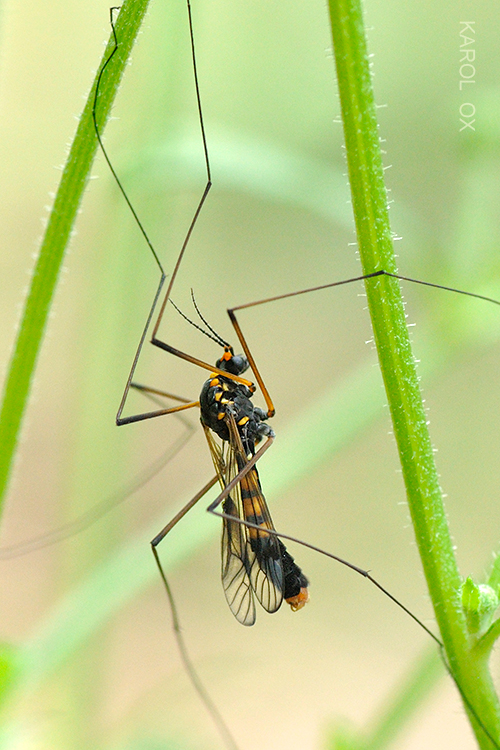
x: 98, y: 665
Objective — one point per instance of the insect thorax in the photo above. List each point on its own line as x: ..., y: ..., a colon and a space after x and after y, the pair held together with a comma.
x: 220, y: 394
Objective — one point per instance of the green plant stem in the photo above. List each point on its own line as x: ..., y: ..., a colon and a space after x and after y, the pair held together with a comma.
x: 62, y: 217
x: 398, y: 366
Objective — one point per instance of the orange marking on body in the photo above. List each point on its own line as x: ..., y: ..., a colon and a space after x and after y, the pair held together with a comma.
x: 300, y: 600
x: 243, y: 421
x: 252, y: 510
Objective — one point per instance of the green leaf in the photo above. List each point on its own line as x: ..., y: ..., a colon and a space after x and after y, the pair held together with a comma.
x: 479, y: 602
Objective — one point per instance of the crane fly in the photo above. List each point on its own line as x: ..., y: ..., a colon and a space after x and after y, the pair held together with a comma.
x: 255, y: 561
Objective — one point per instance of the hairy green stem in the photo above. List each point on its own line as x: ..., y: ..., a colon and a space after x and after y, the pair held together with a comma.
x: 398, y: 367
x: 62, y: 217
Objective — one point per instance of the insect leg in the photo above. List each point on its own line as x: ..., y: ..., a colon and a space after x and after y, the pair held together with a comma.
x: 376, y: 274
x: 188, y: 665
x: 175, y: 520
x: 232, y: 316
x: 120, y: 420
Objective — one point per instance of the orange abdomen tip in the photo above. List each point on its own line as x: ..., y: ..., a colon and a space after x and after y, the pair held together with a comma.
x: 300, y: 600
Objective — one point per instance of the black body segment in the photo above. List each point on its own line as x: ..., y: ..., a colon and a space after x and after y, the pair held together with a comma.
x: 254, y: 562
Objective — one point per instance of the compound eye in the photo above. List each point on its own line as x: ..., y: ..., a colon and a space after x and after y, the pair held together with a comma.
x: 237, y: 364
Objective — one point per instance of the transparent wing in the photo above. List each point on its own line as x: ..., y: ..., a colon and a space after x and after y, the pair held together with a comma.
x: 251, y: 558
x: 236, y: 568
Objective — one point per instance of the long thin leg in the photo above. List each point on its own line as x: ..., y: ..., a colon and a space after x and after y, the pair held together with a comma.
x: 377, y: 274
x: 148, y: 390
x: 249, y: 464
x: 175, y: 520
x: 364, y: 573
x: 151, y: 391
x: 188, y: 665
x: 120, y: 420
x: 191, y: 671
x: 155, y: 340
